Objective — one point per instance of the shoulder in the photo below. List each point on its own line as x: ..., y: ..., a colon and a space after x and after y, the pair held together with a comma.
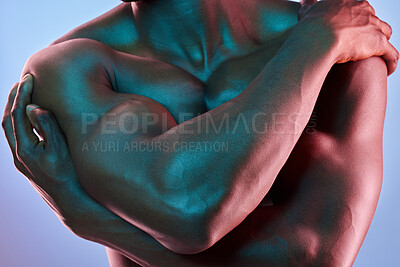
x: 62, y: 72
x: 71, y: 54
x: 116, y: 29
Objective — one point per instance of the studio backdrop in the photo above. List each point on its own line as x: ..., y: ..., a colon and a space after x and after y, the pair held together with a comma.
x: 32, y: 236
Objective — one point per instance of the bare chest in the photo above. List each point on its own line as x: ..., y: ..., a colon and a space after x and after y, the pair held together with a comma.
x: 233, y: 76
x: 169, y: 81
x: 230, y: 78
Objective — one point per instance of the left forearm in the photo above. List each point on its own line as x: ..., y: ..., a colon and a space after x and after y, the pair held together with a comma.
x: 91, y: 221
x: 98, y: 224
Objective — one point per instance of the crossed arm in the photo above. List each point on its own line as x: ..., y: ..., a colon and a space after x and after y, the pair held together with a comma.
x: 182, y: 198
x: 330, y: 233
x: 309, y: 91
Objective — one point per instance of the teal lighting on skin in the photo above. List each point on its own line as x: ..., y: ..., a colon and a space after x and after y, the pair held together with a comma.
x: 124, y: 39
x: 228, y: 41
x: 277, y: 22
x: 274, y: 248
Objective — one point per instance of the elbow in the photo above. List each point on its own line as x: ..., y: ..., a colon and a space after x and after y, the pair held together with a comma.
x: 190, y: 230
x: 193, y: 236
x: 190, y: 246
x: 205, y: 228
x: 189, y: 213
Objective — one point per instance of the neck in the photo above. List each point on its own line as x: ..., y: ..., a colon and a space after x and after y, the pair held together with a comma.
x: 194, y: 28
x: 162, y: 20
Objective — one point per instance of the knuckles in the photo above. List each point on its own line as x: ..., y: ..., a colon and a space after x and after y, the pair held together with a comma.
x: 382, y: 40
x: 390, y: 29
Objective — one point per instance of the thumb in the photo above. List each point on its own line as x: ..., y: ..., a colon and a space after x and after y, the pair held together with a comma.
x: 41, y: 120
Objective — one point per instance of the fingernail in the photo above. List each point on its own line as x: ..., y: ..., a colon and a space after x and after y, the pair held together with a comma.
x: 31, y: 107
x: 26, y: 77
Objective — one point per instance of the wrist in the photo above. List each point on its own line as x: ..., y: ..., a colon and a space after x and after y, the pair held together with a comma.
x: 79, y: 211
x: 314, y: 36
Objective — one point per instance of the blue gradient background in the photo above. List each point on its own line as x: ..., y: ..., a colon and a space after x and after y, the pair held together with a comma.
x: 31, y: 235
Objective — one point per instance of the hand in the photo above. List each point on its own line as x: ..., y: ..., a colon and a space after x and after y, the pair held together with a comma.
x: 357, y: 32
x: 45, y: 161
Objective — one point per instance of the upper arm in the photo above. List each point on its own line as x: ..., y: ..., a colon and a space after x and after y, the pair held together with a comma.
x: 352, y: 103
x: 340, y: 190
x: 326, y: 194
x: 359, y: 142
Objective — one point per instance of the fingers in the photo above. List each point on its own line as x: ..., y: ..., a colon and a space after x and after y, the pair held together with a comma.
x: 25, y: 139
x: 382, y: 26
x: 386, y: 29
x: 391, y: 56
x: 46, y: 125
x: 33, y: 120
x: 7, y: 123
x: 367, y: 6
x: 9, y: 131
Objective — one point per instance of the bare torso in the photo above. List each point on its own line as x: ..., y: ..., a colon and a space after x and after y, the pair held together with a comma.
x: 218, y: 75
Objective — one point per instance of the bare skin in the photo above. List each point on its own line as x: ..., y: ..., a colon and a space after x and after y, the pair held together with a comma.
x: 323, y: 205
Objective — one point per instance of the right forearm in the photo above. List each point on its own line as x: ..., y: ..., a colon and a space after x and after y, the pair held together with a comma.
x: 275, y: 109
x: 288, y: 87
x: 228, y: 185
